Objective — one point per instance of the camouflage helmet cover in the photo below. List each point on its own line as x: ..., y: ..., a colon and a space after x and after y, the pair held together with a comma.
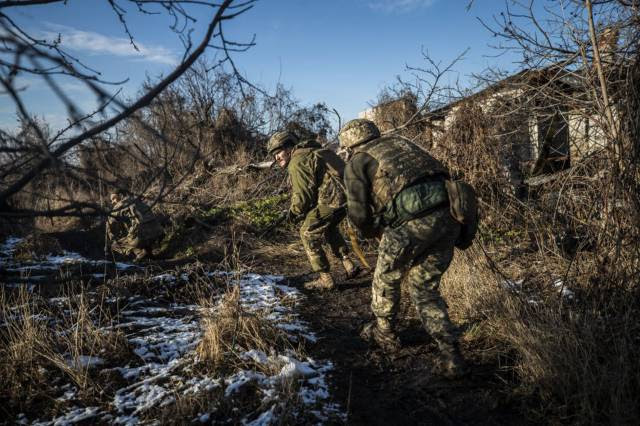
x: 279, y: 140
x: 358, y: 131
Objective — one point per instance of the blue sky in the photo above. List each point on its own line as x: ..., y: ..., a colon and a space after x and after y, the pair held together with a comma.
x: 341, y: 52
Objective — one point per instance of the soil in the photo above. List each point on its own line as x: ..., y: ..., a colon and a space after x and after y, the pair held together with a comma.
x: 376, y: 388
x: 382, y: 389
x: 373, y: 387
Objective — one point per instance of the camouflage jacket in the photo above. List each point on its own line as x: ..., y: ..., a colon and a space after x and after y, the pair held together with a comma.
x: 133, y: 219
x: 379, y: 171
x: 316, y: 178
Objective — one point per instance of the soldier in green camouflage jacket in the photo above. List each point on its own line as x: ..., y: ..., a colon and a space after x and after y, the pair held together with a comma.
x: 132, y: 228
x: 396, y: 191
x: 317, y: 200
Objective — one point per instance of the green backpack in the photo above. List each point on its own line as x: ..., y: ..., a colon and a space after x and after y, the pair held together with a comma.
x: 463, y: 204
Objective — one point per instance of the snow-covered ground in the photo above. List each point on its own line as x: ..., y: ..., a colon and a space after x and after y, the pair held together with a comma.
x: 52, y: 262
x: 164, y: 337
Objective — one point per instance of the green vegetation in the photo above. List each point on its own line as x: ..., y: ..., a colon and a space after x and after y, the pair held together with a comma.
x: 496, y: 235
x: 258, y: 213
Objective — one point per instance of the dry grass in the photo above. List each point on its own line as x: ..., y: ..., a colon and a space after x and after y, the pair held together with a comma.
x: 36, y: 246
x: 44, y: 346
x: 578, y: 360
x: 23, y: 338
x: 243, y: 407
x: 471, y: 289
x: 39, y: 343
x: 577, y: 357
x: 228, y: 330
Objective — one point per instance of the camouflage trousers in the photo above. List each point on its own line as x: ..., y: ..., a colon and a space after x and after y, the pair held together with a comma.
x: 321, y: 226
x: 418, y: 251
x: 134, y: 245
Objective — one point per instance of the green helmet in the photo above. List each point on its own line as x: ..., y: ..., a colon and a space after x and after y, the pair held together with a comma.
x: 358, y: 131
x: 279, y: 140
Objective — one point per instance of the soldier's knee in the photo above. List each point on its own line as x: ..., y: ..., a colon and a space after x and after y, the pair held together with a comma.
x: 436, y: 313
x: 387, y: 275
x: 311, y: 239
x: 306, y: 242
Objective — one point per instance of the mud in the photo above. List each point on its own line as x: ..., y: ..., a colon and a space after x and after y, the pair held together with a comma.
x: 399, y: 389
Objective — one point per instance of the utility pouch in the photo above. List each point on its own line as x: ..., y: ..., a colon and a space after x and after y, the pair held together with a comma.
x: 416, y: 201
x: 463, y: 205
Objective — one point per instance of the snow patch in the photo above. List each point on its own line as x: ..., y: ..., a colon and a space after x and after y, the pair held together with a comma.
x: 164, y: 278
x: 564, y: 291
x: 257, y: 356
x: 76, y: 415
x: 9, y: 246
x: 164, y: 339
x: 84, y: 361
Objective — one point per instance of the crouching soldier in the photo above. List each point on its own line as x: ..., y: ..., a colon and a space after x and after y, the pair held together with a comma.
x: 317, y: 199
x: 396, y: 191
x: 132, y: 228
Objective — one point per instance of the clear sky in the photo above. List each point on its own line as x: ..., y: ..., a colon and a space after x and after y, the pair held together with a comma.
x: 341, y: 52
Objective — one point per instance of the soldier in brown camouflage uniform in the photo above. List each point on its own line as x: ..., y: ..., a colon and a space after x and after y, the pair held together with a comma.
x: 395, y: 191
x: 132, y: 228
x: 317, y: 200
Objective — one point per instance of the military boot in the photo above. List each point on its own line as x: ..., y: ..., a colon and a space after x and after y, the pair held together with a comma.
x: 450, y: 362
x: 385, y: 338
x: 323, y: 282
x: 351, y: 270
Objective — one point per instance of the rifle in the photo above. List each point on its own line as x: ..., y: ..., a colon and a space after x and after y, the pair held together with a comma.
x: 355, y: 245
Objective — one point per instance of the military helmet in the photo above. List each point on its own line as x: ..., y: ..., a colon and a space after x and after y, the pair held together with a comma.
x: 358, y: 131
x: 279, y: 140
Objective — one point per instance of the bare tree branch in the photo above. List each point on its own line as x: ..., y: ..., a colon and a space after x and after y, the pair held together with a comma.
x: 48, y: 60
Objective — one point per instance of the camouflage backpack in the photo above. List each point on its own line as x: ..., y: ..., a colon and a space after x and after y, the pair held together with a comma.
x: 463, y: 204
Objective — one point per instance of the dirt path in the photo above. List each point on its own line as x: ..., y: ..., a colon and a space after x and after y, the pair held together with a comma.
x: 379, y: 390
x: 374, y: 388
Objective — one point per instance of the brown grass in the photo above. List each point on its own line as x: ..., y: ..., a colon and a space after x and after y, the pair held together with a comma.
x: 576, y: 357
x: 229, y: 330
x: 22, y: 340
x: 579, y: 362
x: 34, y: 351
x: 36, y: 246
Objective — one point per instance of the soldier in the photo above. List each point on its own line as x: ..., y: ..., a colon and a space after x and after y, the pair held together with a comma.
x: 133, y: 228
x: 396, y: 191
x: 317, y: 200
